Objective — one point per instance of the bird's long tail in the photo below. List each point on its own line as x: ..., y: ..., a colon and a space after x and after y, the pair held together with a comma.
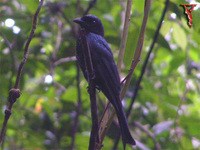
x: 126, y: 135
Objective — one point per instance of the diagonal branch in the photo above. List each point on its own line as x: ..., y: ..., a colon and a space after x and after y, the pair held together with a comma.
x: 15, y: 92
x: 136, y: 58
x: 137, y: 124
x: 91, y: 4
x: 10, y: 46
x: 27, y: 45
x: 137, y: 86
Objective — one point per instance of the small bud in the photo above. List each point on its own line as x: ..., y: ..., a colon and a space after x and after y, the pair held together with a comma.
x: 14, y: 94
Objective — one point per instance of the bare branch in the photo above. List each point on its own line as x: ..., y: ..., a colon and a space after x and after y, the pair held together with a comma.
x: 10, y: 46
x: 27, y: 45
x: 94, y: 137
x: 124, y: 35
x: 15, y: 92
x: 91, y: 4
x: 78, y: 110
x: 147, y: 58
x: 137, y: 124
x: 105, y: 125
x: 58, y: 40
x: 64, y: 60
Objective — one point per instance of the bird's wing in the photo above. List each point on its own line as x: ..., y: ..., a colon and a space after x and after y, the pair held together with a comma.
x: 106, y: 73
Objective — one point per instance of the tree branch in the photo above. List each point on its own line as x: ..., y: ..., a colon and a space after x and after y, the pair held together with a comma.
x: 137, y: 86
x: 105, y: 126
x: 91, y: 4
x: 10, y: 46
x: 78, y: 110
x: 94, y: 137
x: 59, y: 38
x: 63, y: 60
x: 124, y: 35
x: 137, y: 124
x: 15, y: 92
x: 27, y: 45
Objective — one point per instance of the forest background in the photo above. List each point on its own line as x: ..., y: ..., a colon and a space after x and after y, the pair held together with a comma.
x: 53, y: 111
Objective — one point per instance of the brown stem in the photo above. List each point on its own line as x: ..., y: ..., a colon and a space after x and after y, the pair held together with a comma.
x: 157, y: 145
x: 107, y: 122
x: 27, y: 45
x: 15, y: 93
x: 79, y: 107
x: 147, y: 58
x: 94, y: 137
x: 64, y: 60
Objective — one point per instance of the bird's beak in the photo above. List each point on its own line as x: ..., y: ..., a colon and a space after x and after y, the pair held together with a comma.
x: 79, y: 21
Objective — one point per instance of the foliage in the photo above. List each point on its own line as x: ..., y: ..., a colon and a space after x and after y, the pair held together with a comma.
x: 168, y: 103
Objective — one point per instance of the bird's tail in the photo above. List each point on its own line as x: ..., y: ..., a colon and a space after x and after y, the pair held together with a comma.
x: 126, y: 135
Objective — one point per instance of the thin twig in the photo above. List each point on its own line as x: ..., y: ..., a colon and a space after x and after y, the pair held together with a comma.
x: 64, y: 60
x: 137, y: 86
x: 6, y: 41
x: 94, y: 137
x: 59, y: 38
x: 78, y: 110
x: 27, y: 45
x: 15, y: 93
x: 91, y: 4
x: 70, y: 23
x: 138, y: 50
x: 123, y: 15
x: 135, y: 61
x: 57, y: 46
x: 106, y: 115
x: 124, y: 35
x: 60, y: 86
x: 10, y: 46
x: 137, y: 124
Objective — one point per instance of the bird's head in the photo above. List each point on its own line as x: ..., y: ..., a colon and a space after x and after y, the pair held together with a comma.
x: 91, y: 24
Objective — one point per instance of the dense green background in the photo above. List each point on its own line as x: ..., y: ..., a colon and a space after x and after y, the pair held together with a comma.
x: 168, y: 104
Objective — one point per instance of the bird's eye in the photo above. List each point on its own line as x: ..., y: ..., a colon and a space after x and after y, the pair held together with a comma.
x: 94, y: 21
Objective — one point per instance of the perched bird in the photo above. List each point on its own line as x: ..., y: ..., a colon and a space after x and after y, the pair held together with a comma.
x: 105, y: 70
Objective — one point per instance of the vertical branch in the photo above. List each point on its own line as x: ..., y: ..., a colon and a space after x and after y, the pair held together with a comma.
x: 133, y: 65
x: 78, y: 111
x: 137, y: 86
x: 94, y: 138
x: 124, y: 35
x: 92, y: 96
x: 59, y: 37
x: 106, y: 115
x: 15, y: 92
x: 138, y: 50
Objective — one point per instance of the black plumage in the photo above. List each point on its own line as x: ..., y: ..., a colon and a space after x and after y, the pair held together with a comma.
x: 105, y: 70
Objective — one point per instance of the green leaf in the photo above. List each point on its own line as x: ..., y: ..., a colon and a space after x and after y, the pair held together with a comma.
x: 160, y: 40
x: 70, y: 95
x: 186, y: 142
x: 178, y: 60
x: 179, y: 36
x: 31, y: 5
x: 131, y: 45
x: 165, y: 28
x: 194, y: 54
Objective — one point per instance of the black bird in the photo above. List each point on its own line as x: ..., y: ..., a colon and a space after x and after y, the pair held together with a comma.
x: 105, y: 69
